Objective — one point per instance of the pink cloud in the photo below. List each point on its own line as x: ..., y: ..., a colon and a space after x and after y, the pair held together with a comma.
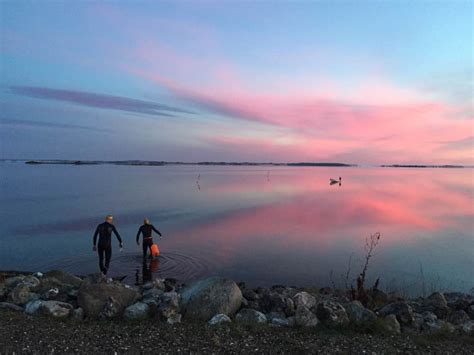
x: 324, y: 117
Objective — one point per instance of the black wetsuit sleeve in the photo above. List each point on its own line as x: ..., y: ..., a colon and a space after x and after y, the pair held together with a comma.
x: 117, y: 235
x: 95, y: 235
x: 156, y: 230
x: 138, y: 233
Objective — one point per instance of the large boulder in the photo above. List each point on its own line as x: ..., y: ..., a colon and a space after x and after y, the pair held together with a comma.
x: 136, y: 311
x: 63, y: 277
x: 93, y: 297
x: 55, y: 309
x: 304, y: 299
x: 332, y: 314
x: 95, y: 278
x: 358, y: 314
x: 205, y: 298
x: 305, y: 318
x: 248, y: 315
x: 401, y: 310
x: 437, y: 304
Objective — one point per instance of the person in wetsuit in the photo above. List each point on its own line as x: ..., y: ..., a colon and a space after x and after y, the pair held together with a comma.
x: 146, y: 229
x: 104, y: 231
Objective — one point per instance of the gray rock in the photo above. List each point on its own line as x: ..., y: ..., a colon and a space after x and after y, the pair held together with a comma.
x: 136, y: 311
x: 418, y: 320
x: 276, y: 302
x: 304, y: 299
x: 332, y: 314
x: 159, y: 284
x: 470, y: 311
x: 428, y: 317
x: 275, y: 315
x: 110, y: 310
x: 436, y: 326
x: 249, y: 294
x: 78, y: 314
x: 248, y: 315
x: 401, y: 310
x: 468, y: 328
x: 33, y: 306
x: 170, y: 284
x: 51, y: 294
x: 30, y: 281
x: 281, y: 322
x: 219, y: 319
x: 10, y: 306
x: 377, y: 299
x: 153, y: 293
x: 437, y: 304
x: 95, y: 278
x: 458, y: 300
x: 11, y: 282
x: 437, y: 300
x: 93, y: 297
x: 305, y: 318
x: 459, y: 317
x: 169, y: 304
x: 205, y: 298
x: 64, y: 277
x: 148, y: 285
x: 170, y: 298
x: 3, y: 291
x: 391, y: 325
x: 20, y: 294
x: 358, y: 314
x: 175, y: 318
x: 55, y: 309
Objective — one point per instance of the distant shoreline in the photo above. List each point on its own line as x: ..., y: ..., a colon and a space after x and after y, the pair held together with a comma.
x: 217, y: 163
x: 163, y: 163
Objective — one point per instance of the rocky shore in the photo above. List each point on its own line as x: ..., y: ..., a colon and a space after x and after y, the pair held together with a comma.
x: 225, y: 314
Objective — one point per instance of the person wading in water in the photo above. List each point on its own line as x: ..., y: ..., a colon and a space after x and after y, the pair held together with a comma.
x: 146, y: 229
x: 104, y: 231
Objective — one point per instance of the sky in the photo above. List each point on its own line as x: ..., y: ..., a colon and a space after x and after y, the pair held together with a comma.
x: 363, y: 82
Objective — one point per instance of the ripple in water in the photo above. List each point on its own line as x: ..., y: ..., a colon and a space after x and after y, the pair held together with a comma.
x: 178, y: 265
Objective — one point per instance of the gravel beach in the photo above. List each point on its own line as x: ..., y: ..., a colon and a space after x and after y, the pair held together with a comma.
x: 21, y: 333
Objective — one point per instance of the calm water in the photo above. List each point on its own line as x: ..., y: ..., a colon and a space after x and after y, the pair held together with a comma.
x: 256, y: 224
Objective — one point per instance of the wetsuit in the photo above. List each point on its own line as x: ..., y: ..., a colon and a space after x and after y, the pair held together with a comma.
x: 104, y: 231
x: 146, y: 230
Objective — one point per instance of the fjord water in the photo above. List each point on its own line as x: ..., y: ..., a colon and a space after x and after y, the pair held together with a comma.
x: 262, y: 225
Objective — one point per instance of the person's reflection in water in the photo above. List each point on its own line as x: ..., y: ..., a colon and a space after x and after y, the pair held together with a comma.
x: 148, y: 269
